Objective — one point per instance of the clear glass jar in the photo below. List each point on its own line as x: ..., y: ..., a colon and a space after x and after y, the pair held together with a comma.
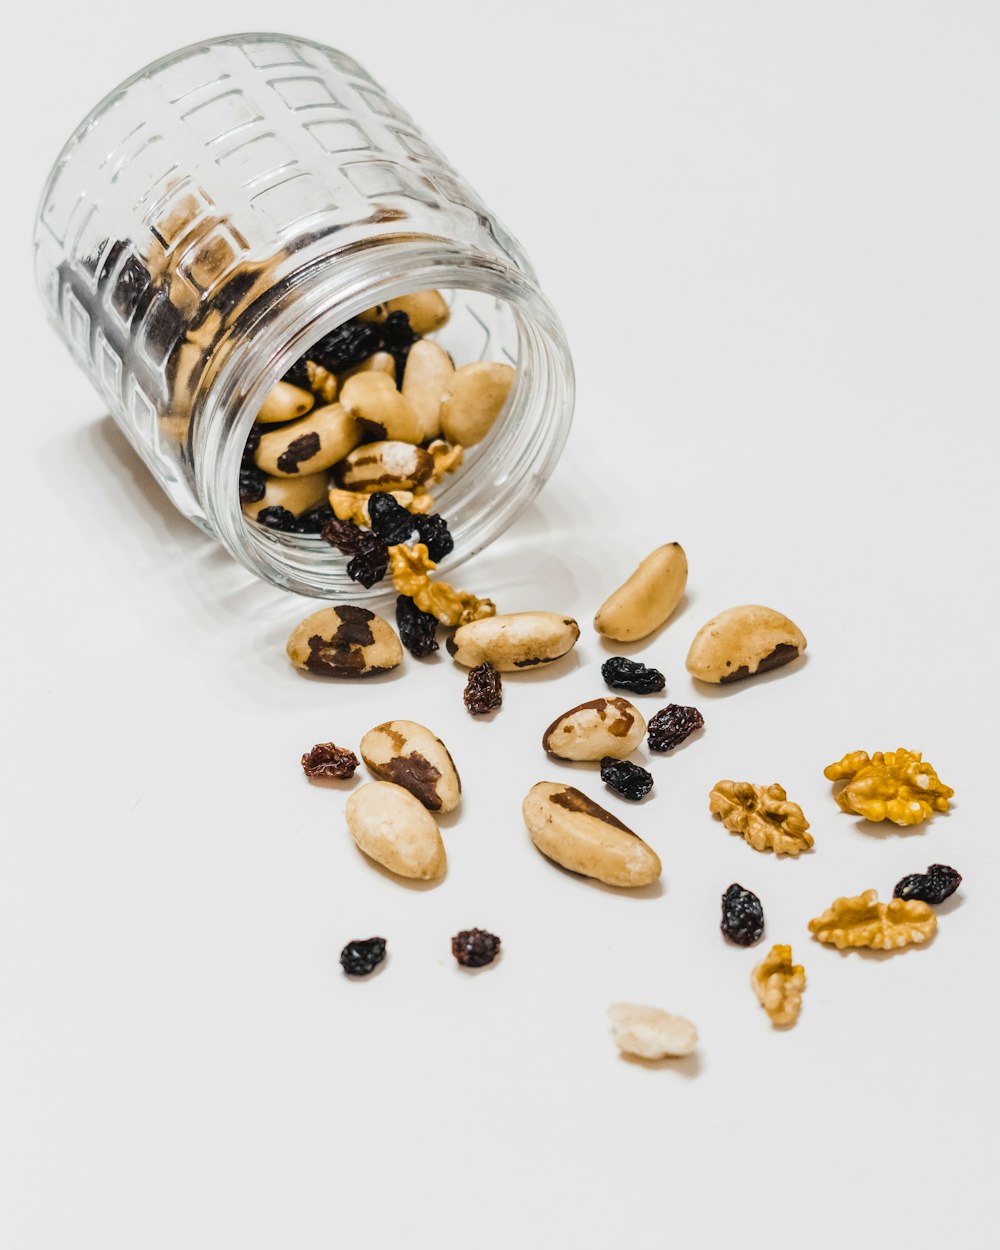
x: 283, y: 192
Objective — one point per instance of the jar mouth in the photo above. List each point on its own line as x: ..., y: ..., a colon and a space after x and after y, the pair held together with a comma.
x: 509, y: 468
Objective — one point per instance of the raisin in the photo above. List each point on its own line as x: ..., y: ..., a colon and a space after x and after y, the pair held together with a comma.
x: 390, y: 520
x: 933, y: 886
x: 362, y: 956
x: 417, y: 629
x: 483, y: 690
x: 253, y: 484
x: 371, y: 561
x: 350, y: 344
x: 435, y: 535
x: 298, y: 374
x: 344, y: 535
x: 302, y: 448
x: 622, y: 674
x: 475, y: 948
x: 671, y: 725
x: 250, y: 446
x: 315, y: 520
x: 397, y: 339
x: 742, y: 916
x: 330, y: 761
x: 276, y: 519
x: 626, y: 778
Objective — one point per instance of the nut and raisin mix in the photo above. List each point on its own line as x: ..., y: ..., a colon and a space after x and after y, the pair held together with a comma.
x: 623, y: 674
x: 328, y: 761
x: 672, y: 725
x: 475, y: 948
x: 483, y: 690
x: 933, y: 886
x: 742, y: 916
x: 362, y: 956
x: 626, y: 778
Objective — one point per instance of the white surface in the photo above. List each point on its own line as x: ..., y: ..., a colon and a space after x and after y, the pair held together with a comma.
x: 771, y: 231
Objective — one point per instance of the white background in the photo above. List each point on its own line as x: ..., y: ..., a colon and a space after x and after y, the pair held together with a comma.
x: 771, y: 230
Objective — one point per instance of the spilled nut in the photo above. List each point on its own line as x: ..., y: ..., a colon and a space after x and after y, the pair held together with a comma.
x: 346, y: 641
x: 395, y: 830
x: 649, y: 1033
x: 595, y: 730
x: 647, y: 598
x: 580, y: 835
x: 864, y: 921
x: 778, y: 984
x: 514, y: 641
x: 403, y: 752
x: 742, y: 642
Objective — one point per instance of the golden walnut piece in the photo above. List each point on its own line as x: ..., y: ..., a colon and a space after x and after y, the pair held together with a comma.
x: 897, y: 786
x: 864, y: 921
x: 411, y: 567
x: 778, y: 984
x: 763, y: 815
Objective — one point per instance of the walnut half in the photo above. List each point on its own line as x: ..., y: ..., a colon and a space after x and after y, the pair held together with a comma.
x: 411, y: 568
x: 763, y: 815
x: 778, y: 984
x: 894, y: 785
x: 864, y: 921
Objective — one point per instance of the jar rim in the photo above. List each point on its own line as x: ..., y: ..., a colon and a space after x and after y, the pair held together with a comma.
x: 521, y: 451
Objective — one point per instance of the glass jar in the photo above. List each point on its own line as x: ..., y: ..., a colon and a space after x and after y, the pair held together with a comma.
x: 227, y: 206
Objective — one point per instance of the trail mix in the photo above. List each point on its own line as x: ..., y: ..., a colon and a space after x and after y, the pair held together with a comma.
x: 392, y: 819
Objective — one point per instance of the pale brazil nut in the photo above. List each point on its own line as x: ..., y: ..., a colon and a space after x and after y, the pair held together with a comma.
x: 580, y: 835
x: 396, y: 831
x: 285, y: 402
x: 411, y: 756
x: 647, y: 599
x: 346, y: 641
x: 372, y: 398
x: 595, y: 730
x: 650, y: 1033
x: 474, y: 399
x: 387, y: 465
x: 743, y: 641
x: 428, y: 371
x: 515, y: 641
x: 310, y: 445
x: 295, y: 494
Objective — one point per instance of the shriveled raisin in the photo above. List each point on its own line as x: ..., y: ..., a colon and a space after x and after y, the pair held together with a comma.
x: 315, y: 520
x: 622, y: 674
x: 329, y: 761
x: 371, y: 561
x: 933, y: 886
x: 475, y: 948
x: 350, y: 344
x: 253, y: 484
x: 298, y: 374
x: 626, y: 778
x: 344, y: 535
x: 671, y: 725
x: 397, y: 339
x: 277, y: 519
x: 362, y: 956
x: 435, y: 535
x: 251, y: 445
x: 390, y: 520
x: 483, y: 690
x: 417, y: 630
x: 742, y: 916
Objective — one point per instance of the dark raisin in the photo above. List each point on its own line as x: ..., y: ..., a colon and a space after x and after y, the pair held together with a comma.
x: 475, y: 948
x: 302, y: 448
x: 434, y: 533
x: 350, y: 344
x: 298, y: 374
x: 251, y: 445
x: 622, y: 674
x: 397, y: 339
x: 362, y: 956
x: 369, y: 564
x: 626, y: 778
x: 253, y: 484
x: 671, y: 725
x: 315, y: 520
x: 276, y: 519
x: 483, y: 690
x: 417, y: 629
x: 330, y: 761
x: 933, y: 886
x: 344, y: 535
x: 390, y: 520
x: 742, y: 916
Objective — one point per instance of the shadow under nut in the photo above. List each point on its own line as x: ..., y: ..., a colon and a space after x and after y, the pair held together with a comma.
x: 595, y: 730
x: 579, y: 834
x: 409, y: 755
x: 742, y: 642
x: 647, y: 599
x: 515, y: 641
